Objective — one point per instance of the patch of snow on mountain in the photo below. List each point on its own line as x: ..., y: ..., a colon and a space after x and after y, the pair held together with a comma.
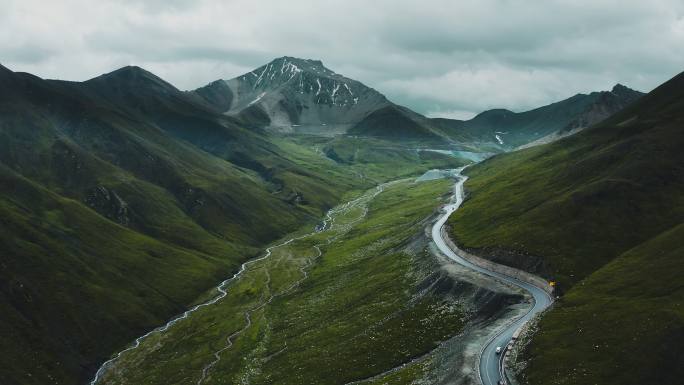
x: 257, y: 99
x: 261, y: 76
x: 332, y: 96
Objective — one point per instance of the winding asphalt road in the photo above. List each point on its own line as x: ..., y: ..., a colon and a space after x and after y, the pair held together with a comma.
x: 489, y: 367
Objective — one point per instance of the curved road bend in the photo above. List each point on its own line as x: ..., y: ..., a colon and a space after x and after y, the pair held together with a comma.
x: 489, y: 361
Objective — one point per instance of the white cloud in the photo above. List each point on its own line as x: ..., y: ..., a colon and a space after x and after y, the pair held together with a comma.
x: 450, y: 114
x: 434, y: 55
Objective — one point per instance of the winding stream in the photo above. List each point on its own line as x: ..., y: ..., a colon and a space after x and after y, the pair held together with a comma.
x: 327, y: 224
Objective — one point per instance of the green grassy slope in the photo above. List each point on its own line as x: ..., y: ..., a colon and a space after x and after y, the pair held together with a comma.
x: 582, y: 201
x: 357, y: 312
x: 68, y: 273
x: 622, y: 325
x: 602, y: 201
x: 378, y: 160
x: 395, y: 123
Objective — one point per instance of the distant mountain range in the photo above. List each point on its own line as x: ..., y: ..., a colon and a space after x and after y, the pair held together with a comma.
x: 298, y: 95
x: 548, y: 123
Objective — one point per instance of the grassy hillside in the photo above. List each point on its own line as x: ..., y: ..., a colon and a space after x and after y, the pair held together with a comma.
x: 395, y: 123
x: 356, y: 311
x: 68, y: 272
x: 600, y: 213
x: 378, y: 160
x: 622, y: 325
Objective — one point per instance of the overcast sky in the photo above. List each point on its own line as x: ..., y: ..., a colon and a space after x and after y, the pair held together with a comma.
x: 440, y: 57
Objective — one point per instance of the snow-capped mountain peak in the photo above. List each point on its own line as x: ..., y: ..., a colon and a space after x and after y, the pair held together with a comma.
x: 295, y: 92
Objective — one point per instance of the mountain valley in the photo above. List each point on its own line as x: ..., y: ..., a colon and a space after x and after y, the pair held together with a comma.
x: 127, y: 202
